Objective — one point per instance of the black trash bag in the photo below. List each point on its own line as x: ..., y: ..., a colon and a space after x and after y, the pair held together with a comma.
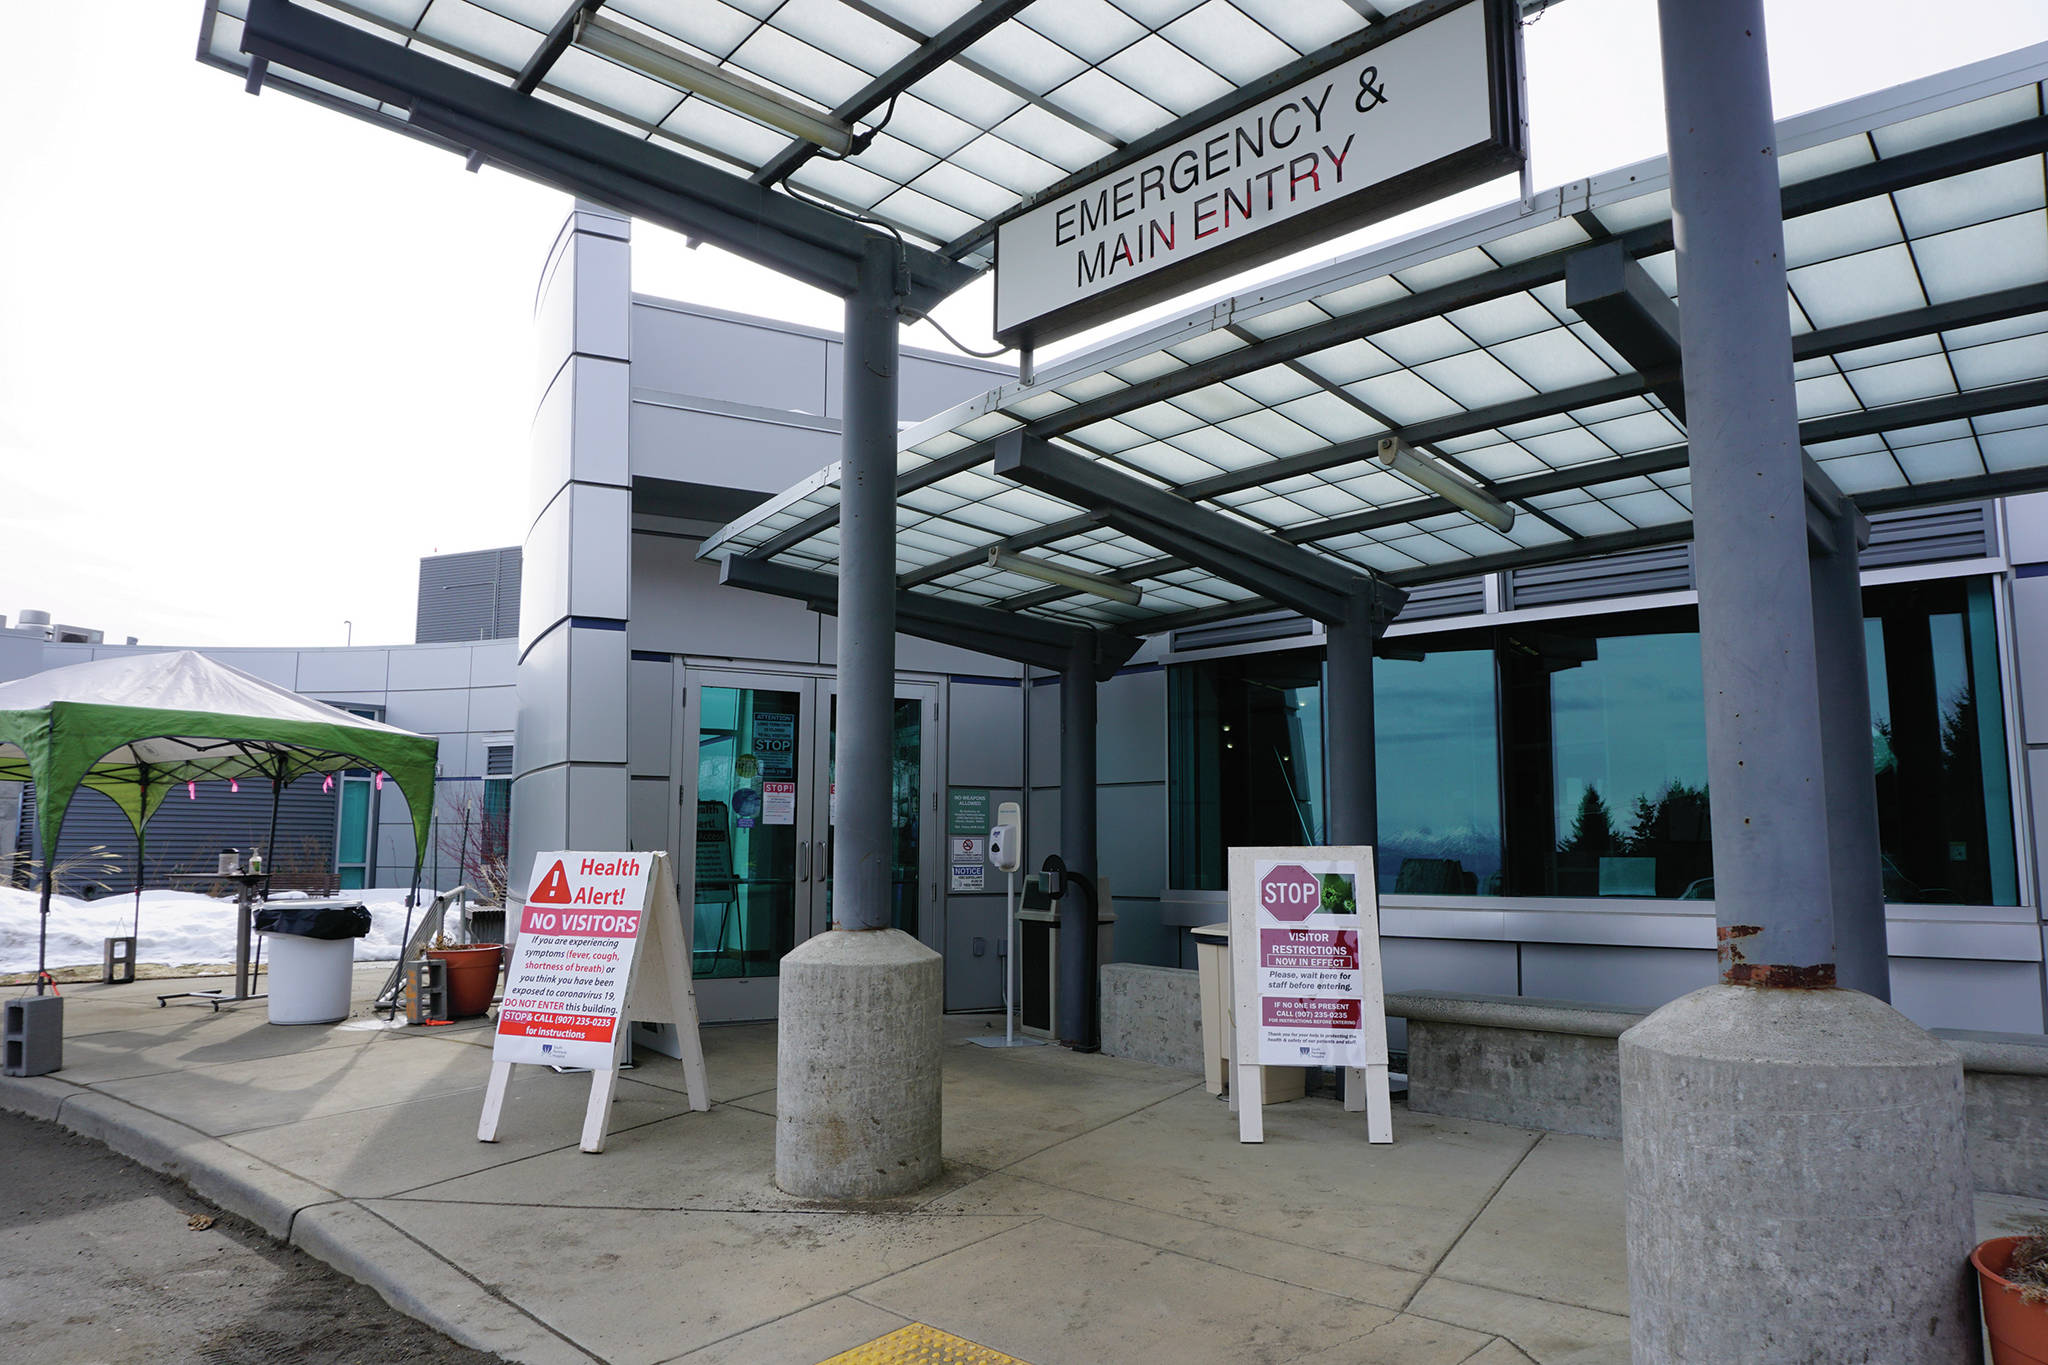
x: 313, y: 920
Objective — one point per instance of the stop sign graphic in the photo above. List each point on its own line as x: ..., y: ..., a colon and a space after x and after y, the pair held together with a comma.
x: 1290, y: 892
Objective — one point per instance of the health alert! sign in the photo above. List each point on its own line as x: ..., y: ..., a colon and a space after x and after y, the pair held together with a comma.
x: 566, y: 989
x: 1311, y: 990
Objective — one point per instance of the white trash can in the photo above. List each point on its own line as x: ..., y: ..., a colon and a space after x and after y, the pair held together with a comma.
x: 310, y: 978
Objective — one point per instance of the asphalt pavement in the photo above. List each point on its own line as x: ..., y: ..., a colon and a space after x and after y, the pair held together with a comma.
x: 102, y: 1261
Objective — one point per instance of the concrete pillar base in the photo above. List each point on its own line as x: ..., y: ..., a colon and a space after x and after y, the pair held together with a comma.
x: 1797, y: 1188
x: 857, y: 1066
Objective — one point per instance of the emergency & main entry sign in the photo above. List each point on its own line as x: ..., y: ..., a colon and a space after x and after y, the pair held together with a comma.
x: 1423, y: 104
x: 1305, y: 962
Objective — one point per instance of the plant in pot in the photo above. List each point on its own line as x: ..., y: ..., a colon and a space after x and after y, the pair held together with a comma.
x: 2012, y: 1278
x: 472, y: 974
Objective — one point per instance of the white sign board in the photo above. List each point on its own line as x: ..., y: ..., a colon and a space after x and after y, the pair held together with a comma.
x: 602, y: 941
x: 966, y: 862
x: 1425, y: 109
x: 1305, y: 959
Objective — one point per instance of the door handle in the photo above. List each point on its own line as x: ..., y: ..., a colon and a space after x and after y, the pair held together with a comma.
x: 824, y: 868
x: 803, y: 861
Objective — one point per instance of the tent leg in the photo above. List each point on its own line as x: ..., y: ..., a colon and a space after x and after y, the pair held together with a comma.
x: 43, y: 932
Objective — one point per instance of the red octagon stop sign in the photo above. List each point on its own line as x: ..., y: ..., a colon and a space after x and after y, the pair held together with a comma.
x: 1290, y: 892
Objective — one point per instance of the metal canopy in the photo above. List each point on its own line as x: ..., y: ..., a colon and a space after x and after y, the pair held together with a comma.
x: 1917, y: 240
x: 981, y: 106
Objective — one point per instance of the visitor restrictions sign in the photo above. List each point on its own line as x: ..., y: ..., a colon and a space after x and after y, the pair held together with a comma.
x: 602, y: 943
x: 1305, y: 960
x: 1423, y: 104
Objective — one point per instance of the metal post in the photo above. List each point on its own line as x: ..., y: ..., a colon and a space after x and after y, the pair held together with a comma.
x: 1772, y: 888
x: 867, y: 598
x: 1078, y: 1025
x: 1863, y: 962
x: 1350, y: 766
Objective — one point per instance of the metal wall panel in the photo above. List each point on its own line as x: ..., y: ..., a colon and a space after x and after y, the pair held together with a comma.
x: 326, y: 671
x: 725, y: 357
x: 2030, y: 644
x: 984, y: 734
x: 1640, y: 978
x: 462, y: 597
x: 650, y: 704
x: 1130, y: 730
x: 188, y: 834
x: 1459, y: 597
x: 723, y: 449
x: 440, y: 712
x: 1662, y: 568
x: 1960, y: 993
x: 1926, y: 535
x: 416, y: 669
x: 679, y: 608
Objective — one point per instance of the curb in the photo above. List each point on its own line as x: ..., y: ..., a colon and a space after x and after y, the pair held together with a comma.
x: 415, y: 1281
x: 340, y: 1233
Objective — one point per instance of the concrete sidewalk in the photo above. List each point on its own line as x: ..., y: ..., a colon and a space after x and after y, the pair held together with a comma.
x: 1092, y: 1210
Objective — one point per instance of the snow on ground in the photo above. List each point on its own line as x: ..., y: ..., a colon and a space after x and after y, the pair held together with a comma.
x: 177, y: 926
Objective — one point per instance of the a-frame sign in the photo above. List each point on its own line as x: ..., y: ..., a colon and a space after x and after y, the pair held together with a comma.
x: 602, y: 942
x: 1305, y: 977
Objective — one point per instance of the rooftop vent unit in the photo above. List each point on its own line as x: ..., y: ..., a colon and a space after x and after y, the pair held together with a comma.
x: 32, y: 618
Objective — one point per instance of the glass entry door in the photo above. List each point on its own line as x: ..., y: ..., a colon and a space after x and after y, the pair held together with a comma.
x: 754, y: 832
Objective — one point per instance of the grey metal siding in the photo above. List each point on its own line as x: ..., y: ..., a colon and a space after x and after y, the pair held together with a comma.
x: 472, y: 596
x: 187, y: 835
x: 1663, y: 568
x: 1925, y: 534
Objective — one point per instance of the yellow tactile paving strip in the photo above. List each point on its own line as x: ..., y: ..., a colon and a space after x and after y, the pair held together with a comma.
x: 919, y: 1344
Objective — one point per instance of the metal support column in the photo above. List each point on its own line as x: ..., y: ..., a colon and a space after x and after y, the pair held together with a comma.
x: 864, y: 835
x: 1078, y: 1023
x: 1351, y: 768
x: 1856, y: 873
x: 1772, y: 890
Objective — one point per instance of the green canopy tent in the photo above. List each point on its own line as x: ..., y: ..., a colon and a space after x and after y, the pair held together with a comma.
x: 137, y: 727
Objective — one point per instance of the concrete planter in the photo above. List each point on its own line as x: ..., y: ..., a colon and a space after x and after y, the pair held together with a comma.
x: 2018, y: 1329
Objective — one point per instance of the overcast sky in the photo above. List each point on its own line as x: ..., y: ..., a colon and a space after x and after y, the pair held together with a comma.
x: 256, y: 358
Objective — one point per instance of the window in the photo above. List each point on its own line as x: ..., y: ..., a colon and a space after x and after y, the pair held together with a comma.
x: 1569, y: 758
x: 355, y: 826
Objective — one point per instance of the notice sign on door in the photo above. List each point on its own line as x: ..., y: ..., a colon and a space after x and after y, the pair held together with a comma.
x: 566, y: 988
x: 967, y: 865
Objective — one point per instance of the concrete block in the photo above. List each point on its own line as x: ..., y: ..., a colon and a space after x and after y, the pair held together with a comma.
x: 1532, y: 1063
x: 1152, y: 1014
x: 1796, y: 1181
x: 857, y: 1066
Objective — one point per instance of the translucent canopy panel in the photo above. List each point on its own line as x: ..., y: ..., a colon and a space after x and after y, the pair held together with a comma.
x: 1916, y: 235
x: 975, y: 105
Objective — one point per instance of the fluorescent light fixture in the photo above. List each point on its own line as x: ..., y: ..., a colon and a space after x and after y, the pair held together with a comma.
x: 1397, y: 455
x: 1100, y: 584
x: 650, y: 56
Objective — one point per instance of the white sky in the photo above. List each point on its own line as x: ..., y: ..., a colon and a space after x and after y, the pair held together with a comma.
x: 256, y: 358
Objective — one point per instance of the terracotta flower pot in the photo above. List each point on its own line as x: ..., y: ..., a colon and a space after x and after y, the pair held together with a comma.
x: 472, y: 977
x: 2019, y: 1330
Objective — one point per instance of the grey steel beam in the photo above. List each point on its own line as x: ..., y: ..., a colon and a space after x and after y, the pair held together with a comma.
x: 943, y: 46
x: 1302, y: 579
x: 1351, y: 771
x: 1079, y: 1016
x: 1614, y: 294
x: 1773, y: 897
x: 579, y: 155
x: 862, y: 849
x: 1992, y: 307
x: 552, y: 47
x: 1855, y: 861
x: 1033, y: 640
